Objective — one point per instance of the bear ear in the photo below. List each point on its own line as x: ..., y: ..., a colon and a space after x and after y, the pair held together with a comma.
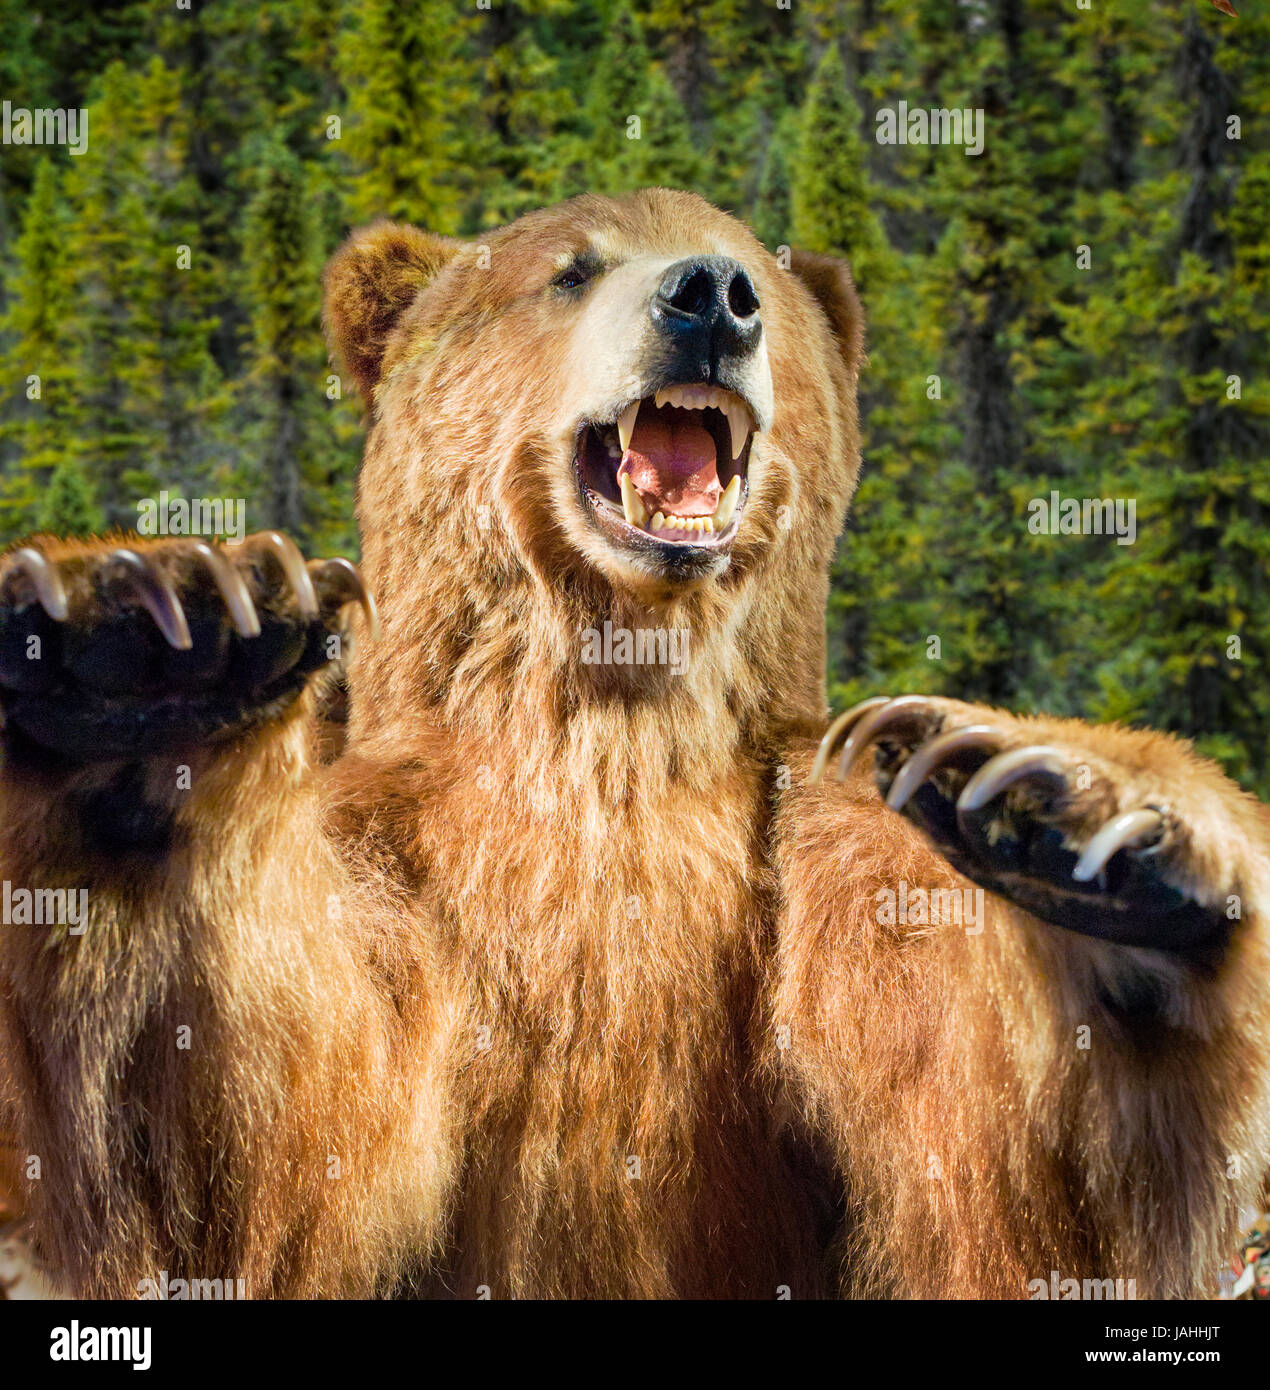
x: 369, y: 283
x: 829, y: 280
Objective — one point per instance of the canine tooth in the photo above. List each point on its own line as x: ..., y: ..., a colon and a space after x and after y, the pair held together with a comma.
x: 738, y: 426
x: 661, y: 398
x: 657, y: 522
x: 707, y: 524
x: 626, y: 425
x: 633, y: 509
x: 727, y: 503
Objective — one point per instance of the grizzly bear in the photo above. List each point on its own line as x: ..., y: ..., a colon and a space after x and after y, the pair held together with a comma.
x: 561, y: 968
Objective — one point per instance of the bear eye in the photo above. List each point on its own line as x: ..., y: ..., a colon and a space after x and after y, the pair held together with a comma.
x: 577, y: 273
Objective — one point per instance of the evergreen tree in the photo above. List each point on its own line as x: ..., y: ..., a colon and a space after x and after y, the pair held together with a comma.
x: 147, y: 395
x: 67, y: 506
x: 666, y: 154
x: 37, y: 423
x: 830, y: 187
x: 527, y: 108
x: 295, y: 471
x: 1181, y: 312
x: 617, y: 106
x: 772, y: 215
x: 406, y: 73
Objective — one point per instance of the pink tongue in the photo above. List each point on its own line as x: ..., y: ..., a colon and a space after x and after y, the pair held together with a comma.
x: 672, y: 466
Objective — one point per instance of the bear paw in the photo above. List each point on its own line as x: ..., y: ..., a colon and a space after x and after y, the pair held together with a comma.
x: 1060, y: 831
x: 112, y: 649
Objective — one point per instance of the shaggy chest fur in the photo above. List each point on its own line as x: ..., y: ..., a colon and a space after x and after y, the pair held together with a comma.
x: 605, y: 912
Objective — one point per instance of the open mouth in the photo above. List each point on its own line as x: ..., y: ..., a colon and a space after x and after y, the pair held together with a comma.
x: 672, y: 466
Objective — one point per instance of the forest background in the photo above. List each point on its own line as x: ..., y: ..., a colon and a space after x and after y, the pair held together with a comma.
x: 1082, y: 308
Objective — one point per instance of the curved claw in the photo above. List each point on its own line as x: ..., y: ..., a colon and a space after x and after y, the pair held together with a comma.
x: 1124, y: 830
x: 1007, y: 768
x: 284, y: 550
x: 43, y: 574
x: 157, y: 596
x: 844, y: 722
x: 932, y: 755
x: 233, y: 589
x: 348, y: 586
x: 874, y: 723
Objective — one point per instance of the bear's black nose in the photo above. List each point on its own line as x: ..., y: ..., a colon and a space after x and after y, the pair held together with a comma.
x: 707, y: 306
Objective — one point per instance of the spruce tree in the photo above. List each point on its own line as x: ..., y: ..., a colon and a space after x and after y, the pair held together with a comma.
x: 616, y: 108
x: 1181, y: 313
x: 772, y: 213
x: 666, y: 154
x: 830, y: 193
x: 294, y: 471
x: 148, y: 398
x: 527, y: 105
x: 406, y: 73
x: 67, y: 506
x: 39, y: 296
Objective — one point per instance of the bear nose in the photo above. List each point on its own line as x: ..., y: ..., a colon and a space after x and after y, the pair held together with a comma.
x: 708, y: 306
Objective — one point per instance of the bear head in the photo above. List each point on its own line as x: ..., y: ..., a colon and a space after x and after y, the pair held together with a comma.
x: 611, y: 408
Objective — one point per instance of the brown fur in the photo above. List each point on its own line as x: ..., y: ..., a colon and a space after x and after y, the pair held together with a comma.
x: 542, y: 919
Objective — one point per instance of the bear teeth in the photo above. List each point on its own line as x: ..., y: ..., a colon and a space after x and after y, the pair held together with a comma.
x: 727, y: 503
x: 632, y: 508
x: 637, y: 514
x: 662, y: 522
x: 626, y: 424
x: 740, y: 421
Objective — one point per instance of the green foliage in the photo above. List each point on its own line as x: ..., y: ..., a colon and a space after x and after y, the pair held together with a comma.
x: 36, y: 430
x: 293, y: 462
x: 406, y: 77
x: 1004, y: 361
x: 68, y: 506
x: 830, y: 188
